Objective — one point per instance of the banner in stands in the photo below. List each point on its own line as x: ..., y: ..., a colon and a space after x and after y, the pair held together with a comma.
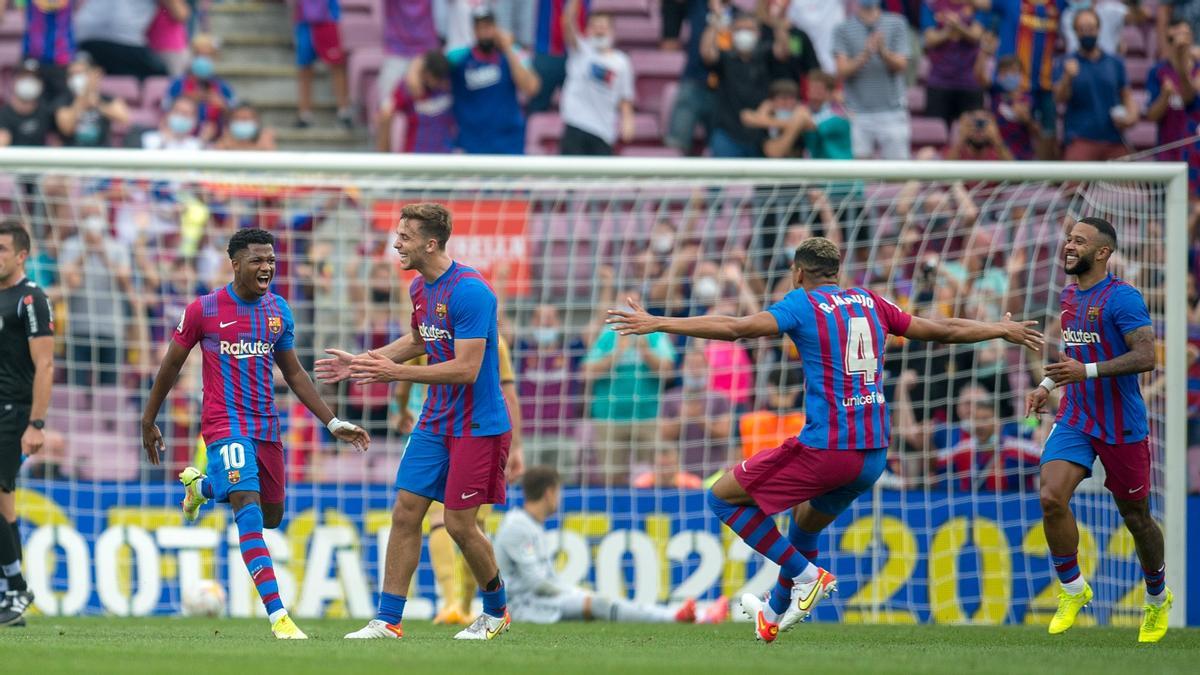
x: 122, y: 549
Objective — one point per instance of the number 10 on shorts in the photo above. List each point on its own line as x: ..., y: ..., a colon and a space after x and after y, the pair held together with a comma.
x: 233, y: 454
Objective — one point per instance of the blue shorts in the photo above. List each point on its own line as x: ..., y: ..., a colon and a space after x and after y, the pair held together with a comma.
x: 1126, y: 465
x: 838, y: 500
x: 459, y: 471
x: 241, y: 464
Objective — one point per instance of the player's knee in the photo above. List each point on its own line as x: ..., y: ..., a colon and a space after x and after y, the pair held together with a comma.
x: 1137, y: 518
x: 461, y: 525
x: 272, y: 518
x: 1053, y: 504
x: 406, y: 517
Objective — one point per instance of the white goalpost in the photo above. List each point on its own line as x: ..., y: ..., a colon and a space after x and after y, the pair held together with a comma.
x: 951, y: 534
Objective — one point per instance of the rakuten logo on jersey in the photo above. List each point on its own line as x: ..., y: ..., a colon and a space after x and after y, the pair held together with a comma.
x: 245, y: 349
x: 859, y: 401
x: 1079, y: 338
x: 433, y: 333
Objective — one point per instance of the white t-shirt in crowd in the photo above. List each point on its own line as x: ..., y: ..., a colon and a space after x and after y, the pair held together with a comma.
x: 818, y: 18
x: 1112, y: 20
x: 596, y: 84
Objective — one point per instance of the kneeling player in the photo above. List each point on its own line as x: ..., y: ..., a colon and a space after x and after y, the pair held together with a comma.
x: 243, y: 330
x: 534, y: 592
x: 841, y: 451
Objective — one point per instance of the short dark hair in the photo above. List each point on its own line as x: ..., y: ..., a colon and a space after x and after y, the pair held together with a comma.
x: 242, y: 239
x: 437, y: 65
x: 434, y: 219
x: 783, y: 88
x: 537, y: 480
x: 20, y: 235
x: 1079, y: 14
x: 1104, y: 227
x: 1008, y: 61
x: 818, y: 255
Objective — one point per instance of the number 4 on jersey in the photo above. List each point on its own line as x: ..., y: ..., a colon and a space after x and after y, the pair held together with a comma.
x: 860, y: 350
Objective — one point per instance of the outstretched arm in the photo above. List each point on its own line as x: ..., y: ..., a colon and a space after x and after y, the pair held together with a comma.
x: 959, y: 331
x: 336, y: 367
x: 300, y: 384
x: 168, y: 373
x: 639, y: 322
x: 462, y: 369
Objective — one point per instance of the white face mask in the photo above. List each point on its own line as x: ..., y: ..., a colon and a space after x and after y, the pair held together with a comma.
x: 662, y: 243
x: 78, y: 83
x: 602, y: 42
x: 706, y: 289
x: 28, y: 88
x: 94, y: 224
x: 745, y: 40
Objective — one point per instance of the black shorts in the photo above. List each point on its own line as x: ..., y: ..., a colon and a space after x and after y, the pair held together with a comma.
x: 579, y: 142
x: 14, y: 419
x: 950, y: 104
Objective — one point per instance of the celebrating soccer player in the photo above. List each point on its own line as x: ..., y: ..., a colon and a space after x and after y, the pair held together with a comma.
x: 458, y: 451
x: 842, y: 449
x: 244, y: 330
x: 1108, y: 340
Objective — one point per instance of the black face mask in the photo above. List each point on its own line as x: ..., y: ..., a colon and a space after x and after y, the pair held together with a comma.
x: 1087, y: 42
x: 379, y: 296
x: 487, y: 46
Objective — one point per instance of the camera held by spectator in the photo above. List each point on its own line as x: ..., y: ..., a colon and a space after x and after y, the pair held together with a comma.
x: 978, y: 138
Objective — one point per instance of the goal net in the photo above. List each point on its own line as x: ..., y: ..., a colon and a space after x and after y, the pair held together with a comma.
x: 636, y: 426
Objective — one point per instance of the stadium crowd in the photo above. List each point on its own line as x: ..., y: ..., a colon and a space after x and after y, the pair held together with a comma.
x: 807, y: 78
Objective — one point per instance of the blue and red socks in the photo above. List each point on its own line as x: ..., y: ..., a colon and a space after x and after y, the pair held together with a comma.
x: 391, y: 608
x: 206, y: 488
x: 1156, y: 583
x: 249, y: 521
x: 804, y: 541
x: 1067, y: 568
x: 495, y: 600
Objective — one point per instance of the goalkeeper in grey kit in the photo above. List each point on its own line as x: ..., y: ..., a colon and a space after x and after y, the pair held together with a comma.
x: 536, y: 595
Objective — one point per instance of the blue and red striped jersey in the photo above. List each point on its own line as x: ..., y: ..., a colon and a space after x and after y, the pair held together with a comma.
x: 239, y: 340
x: 840, y: 335
x: 49, y: 37
x: 1094, y: 325
x: 460, y: 305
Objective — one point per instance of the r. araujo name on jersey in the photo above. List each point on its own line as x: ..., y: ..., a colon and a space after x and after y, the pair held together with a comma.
x: 840, y: 334
x: 239, y: 340
x: 1094, y: 325
x: 460, y: 306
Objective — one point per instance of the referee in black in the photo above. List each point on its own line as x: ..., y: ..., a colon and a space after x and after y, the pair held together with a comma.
x: 26, y: 374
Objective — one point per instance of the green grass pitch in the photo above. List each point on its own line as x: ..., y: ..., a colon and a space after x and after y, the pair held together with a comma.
x: 245, y: 647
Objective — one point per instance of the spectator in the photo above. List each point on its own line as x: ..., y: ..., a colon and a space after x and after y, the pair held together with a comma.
x: 1173, y: 104
x: 50, y: 40
x: 801, y: 58
x: 521, y: 18
x: 674, y: 14
x: 818, y: 19
x: 85, y: 117
x: 1175, y: 10
x: 626, y: 373
x: 550, y: 49
x: 98, y: 281
x: 1009, y: 99
x: 744, y: 72
x: 599, y: 85
x: 245, y: 131
x: 167, y: 36
x: 1028, y: 29
x: 548, y: 386
x: 26, y: 119
x: 1099, y: 102
x: 871, y: 48
x: 980, y: 454
x: 408, y: 32
x: 175, y: 129
x: 694, y: 99
x: 317, y: 36
x: 978, y: 138
x: 486, y: 81
x: 952, y: 36
x: 793, y: 128
x: 423, y: 98
x: 667, y: 471
x: 1114, y: 14
x: 213, y: 96
x: 114, y: 33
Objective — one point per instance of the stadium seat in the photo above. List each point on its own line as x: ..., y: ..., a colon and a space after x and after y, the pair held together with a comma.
x: 648, y: 151
x: 1143, y: 135
x: 362, y: 61
x: 12, y: 25
x: 542, y: 133
x: 1134, y: 40
x: 928, y: 131
x: 372, y: 9
x: 666, y: 102
x: 154, y: 90
x: 125, y: 88
x: 634, y: 32
x: 1137, y: 68
x: 617, y: 7
x: 361, y: 31
x: 103, y: 456
x: 916, y: 99
x: 654, y: 70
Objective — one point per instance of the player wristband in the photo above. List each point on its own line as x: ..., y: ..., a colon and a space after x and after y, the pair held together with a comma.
x: 1092, y: 370
x: 335, y: 424
x: 1048, y: 384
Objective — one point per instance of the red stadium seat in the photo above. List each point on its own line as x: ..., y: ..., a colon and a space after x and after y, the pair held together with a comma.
x: 154, y: 90
x: 1134, y: 40
x: 1143, y: 135
x: 125, y: 88
x: 1137, y: 68
x: 542, y: 133
x: 361, y: 31
x: 638, y: 7
x: 916, y: 99
x: 634, y: 32
x: 928, y: 131
x: 363, y: 61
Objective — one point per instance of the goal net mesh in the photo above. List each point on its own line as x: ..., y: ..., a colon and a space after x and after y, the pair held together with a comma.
x: 636, y: 426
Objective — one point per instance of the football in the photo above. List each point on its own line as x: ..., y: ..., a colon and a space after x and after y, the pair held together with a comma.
x: 206, y: 598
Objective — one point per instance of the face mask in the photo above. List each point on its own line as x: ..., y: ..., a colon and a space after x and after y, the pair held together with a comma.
x: 707, y: 289
x: 203, y: 67
x: 487, y: 45
x: 243, y: 130
x: 745, y: 40
x: 78, y: 83
x: 180, y: 124
x: 545, y: 336
x: 1009, y: 82
x: 602, y: 42
x: 693, y: 382
x: 783, y: 113
x: 380, y: 297
x: 1080, y: 5
x: 870, y: 4
x: 94, y: 224
x: 28, y: 89
x: 662, y: 243
x: 1087, y: 42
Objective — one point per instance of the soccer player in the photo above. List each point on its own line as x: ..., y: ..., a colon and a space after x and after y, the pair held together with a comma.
x: 842, y: 449
x: 26, y: 376
x: 458, y: 452
x: 244, y: 330
x: 535, y: 593
x: 1108, y: 340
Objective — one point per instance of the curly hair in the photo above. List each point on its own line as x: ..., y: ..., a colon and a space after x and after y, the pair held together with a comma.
x: 820, y: 256
x: 242, y: 239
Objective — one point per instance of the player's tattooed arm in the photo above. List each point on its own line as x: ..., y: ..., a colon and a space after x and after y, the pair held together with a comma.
x: 1141, y: 357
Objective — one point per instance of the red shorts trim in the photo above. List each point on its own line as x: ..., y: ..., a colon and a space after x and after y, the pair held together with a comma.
x: 794, y: 473
x: 271, y: 474
x: 476, y: 473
